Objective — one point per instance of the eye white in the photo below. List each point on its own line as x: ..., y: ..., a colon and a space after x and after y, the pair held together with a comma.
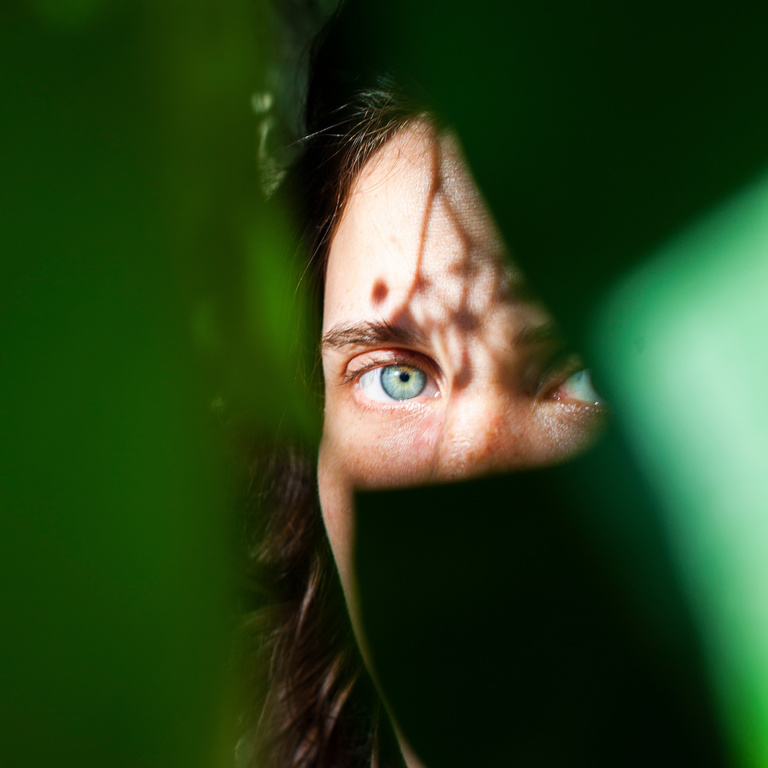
x: 579, y: 387
x: 414, y: 383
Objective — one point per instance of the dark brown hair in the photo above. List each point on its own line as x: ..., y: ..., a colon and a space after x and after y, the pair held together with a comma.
x: 301, y: 664
x: 311, y: 703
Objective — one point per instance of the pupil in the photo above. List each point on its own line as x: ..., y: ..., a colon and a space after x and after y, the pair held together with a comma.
x: 404, y: 376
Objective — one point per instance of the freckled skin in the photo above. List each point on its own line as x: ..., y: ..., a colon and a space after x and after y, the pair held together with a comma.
x: 416, y: 248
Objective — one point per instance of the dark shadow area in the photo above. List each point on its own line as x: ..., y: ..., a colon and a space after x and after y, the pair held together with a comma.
x: 595, y: 131
x: 534, y: 619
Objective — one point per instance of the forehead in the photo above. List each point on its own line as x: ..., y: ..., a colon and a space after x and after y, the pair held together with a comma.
x: 414, y: 226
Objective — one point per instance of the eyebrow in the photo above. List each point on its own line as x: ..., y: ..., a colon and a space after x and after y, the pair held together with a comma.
x: 538, y: 334
x: 367, y: 333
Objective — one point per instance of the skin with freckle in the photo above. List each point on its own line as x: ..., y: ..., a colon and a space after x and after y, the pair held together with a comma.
x: 418, y: 277
x: 379, y: 292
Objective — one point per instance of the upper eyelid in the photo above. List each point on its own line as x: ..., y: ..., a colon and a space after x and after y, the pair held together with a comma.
x: 350, y: 375
x: 546, y: 363
x: 381, y: 358
x: 562, y: 364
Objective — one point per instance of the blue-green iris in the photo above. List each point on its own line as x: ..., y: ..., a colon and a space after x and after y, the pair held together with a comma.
x: 402, y: 382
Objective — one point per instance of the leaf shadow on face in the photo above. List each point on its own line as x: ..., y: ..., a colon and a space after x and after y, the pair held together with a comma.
x: 453, y: 303
x: 454, y: 293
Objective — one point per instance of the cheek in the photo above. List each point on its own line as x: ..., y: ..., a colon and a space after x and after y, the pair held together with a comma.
x: 356, y: 455
x: 369, y: 452
x: 335, y: 503
x: 562, y: 431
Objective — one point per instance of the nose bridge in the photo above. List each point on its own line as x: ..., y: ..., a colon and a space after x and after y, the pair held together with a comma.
x: 482, y: 432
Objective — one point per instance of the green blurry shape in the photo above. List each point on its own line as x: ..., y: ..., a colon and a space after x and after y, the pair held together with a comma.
x: 67, y: 15
x: 234, y: 249
x: 279, y: 321
x: 595, y: 130
x: 535, y: 631
x: 119, y: 207
x: 683, y: 345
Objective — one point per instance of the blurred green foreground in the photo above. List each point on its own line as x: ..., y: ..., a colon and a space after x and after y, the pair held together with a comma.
x: 130, y: 214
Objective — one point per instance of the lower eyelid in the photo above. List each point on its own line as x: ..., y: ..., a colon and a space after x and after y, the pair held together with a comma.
x: 578, y: 388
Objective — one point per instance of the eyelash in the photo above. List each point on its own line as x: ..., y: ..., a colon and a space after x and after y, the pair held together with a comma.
x: 395, y: 357
x: 374, y: 392
x: 351, y: 376
x: 550, y: 377
x: 555, y: 370
x: 565, y: 372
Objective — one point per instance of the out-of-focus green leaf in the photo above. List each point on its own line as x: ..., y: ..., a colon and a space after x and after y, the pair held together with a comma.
x: 128, y: 199
x: 682, y: 342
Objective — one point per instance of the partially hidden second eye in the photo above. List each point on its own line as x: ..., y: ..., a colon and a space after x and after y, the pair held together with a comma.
x: 578, y: 386
x: 395, y: 382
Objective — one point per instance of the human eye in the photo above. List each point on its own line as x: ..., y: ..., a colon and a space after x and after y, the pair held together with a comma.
x: 578, y: 386
x: 395, y: 382
x: 565, y: 378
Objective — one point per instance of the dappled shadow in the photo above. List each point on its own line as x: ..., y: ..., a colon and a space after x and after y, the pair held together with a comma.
x: 478, y: 276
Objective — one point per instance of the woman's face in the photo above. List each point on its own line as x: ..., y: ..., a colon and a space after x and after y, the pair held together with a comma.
x: 438, y: 363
